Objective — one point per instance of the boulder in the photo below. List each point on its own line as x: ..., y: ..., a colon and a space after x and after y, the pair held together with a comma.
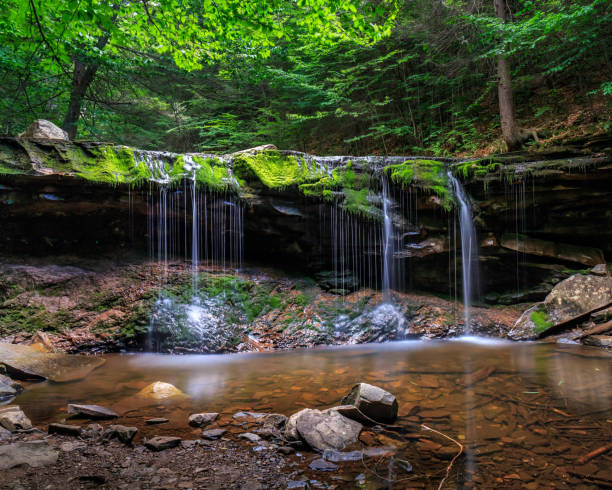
x: 65, y: 429
x: 43, y: 129
x: 159, y: 443
x: 91, y: 411
x: 13, y: 419
x: 326, y: 430
x: 291, y: 432
x: 373, y: 402
x: 202, y: 419
x: 121, y: 432
x: 33, y: 453
x: 569, y: 301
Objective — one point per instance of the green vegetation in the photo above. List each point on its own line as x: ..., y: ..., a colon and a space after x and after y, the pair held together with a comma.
x: 351, y: 77
x: 541, y: 320
x: 274, y: 170
x: 428, y: 175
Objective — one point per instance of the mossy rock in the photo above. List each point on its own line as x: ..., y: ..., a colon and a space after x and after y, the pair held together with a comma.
x: 427, y: 175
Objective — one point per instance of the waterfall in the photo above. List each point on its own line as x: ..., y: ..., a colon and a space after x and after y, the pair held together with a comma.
x: 469, y: 249
x: 216, y: 229
x: 388, y: 249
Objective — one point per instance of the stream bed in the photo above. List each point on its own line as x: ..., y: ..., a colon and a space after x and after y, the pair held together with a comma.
x: 525, y: 414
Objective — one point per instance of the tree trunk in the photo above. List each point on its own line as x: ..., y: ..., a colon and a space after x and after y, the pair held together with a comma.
x: 510, y: 131
x: 82, y: 77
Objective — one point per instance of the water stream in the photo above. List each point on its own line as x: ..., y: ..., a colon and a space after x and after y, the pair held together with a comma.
x: 533, y: 409
x: 469, y: 250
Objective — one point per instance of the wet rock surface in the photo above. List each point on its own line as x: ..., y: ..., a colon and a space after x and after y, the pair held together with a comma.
x: 374, y: 402
x: 569, y: 301
x: 91, y: 411
x: 329, y: 430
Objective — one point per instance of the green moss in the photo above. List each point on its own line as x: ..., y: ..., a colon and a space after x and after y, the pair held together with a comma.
x: 28, y: 319
x: 428, y: 175
x: 111, y: 165
x: 274, y: 170
x: 541, y: 320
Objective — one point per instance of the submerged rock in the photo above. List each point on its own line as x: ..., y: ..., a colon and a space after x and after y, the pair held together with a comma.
x: 160, y: 391
x: 372, y: 401
x: 7, y: 382
x: 12, y: 418
x: 569, y: 300
x: 91, y: 411
x: 326, y: 430
x: 33, y: 453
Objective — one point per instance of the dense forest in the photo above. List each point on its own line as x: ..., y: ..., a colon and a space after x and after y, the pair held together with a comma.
x: 355, y: 77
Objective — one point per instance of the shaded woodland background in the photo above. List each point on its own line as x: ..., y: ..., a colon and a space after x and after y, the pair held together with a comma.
x: 430, y: 86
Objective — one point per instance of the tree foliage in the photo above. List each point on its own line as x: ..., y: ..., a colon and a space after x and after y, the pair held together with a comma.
x: 328, y: 76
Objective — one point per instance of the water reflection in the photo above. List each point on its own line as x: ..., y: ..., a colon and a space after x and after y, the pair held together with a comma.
x: 507, y: 403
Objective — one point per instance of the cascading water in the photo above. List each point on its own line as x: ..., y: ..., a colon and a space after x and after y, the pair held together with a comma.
x: 388, y: 249
x: 469, y: 249
x: 216, y: 229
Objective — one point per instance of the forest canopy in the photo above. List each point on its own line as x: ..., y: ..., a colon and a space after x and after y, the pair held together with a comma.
x: 325, y: 76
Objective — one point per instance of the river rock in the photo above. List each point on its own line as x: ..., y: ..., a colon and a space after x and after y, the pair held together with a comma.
x: 156, y: 421
x: 91, y: 411
x: 569, y: 300
x: 6, y: 391
x: 373, y: 402
x: 65, y: 429
x: 329, y: 430
x: 121, y: 432
x: 92, y: 431
x: 33, y: 453
x: 202, y: 419
x: 249, y: 436
x: 160, y: 391
x: 159, y: 443
x: 604, y: 341
x: 13, y: 419
x: 43, y: 129
x: 11, y: 383
x: 322, y: 465
x: 213, y: 434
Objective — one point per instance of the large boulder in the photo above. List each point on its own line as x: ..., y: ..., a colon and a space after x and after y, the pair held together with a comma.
x: 12, y: 418
x: 325, y: 430
x: 372, y: 401
x: 160, y: 391
x: 569, y: 300
x: 43, y: 129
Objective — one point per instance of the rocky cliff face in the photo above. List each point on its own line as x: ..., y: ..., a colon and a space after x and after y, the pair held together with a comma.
x: 539, y: 217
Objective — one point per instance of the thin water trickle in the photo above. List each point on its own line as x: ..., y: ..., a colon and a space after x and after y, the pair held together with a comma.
x: 388, y: 244
x: 469, y: 249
